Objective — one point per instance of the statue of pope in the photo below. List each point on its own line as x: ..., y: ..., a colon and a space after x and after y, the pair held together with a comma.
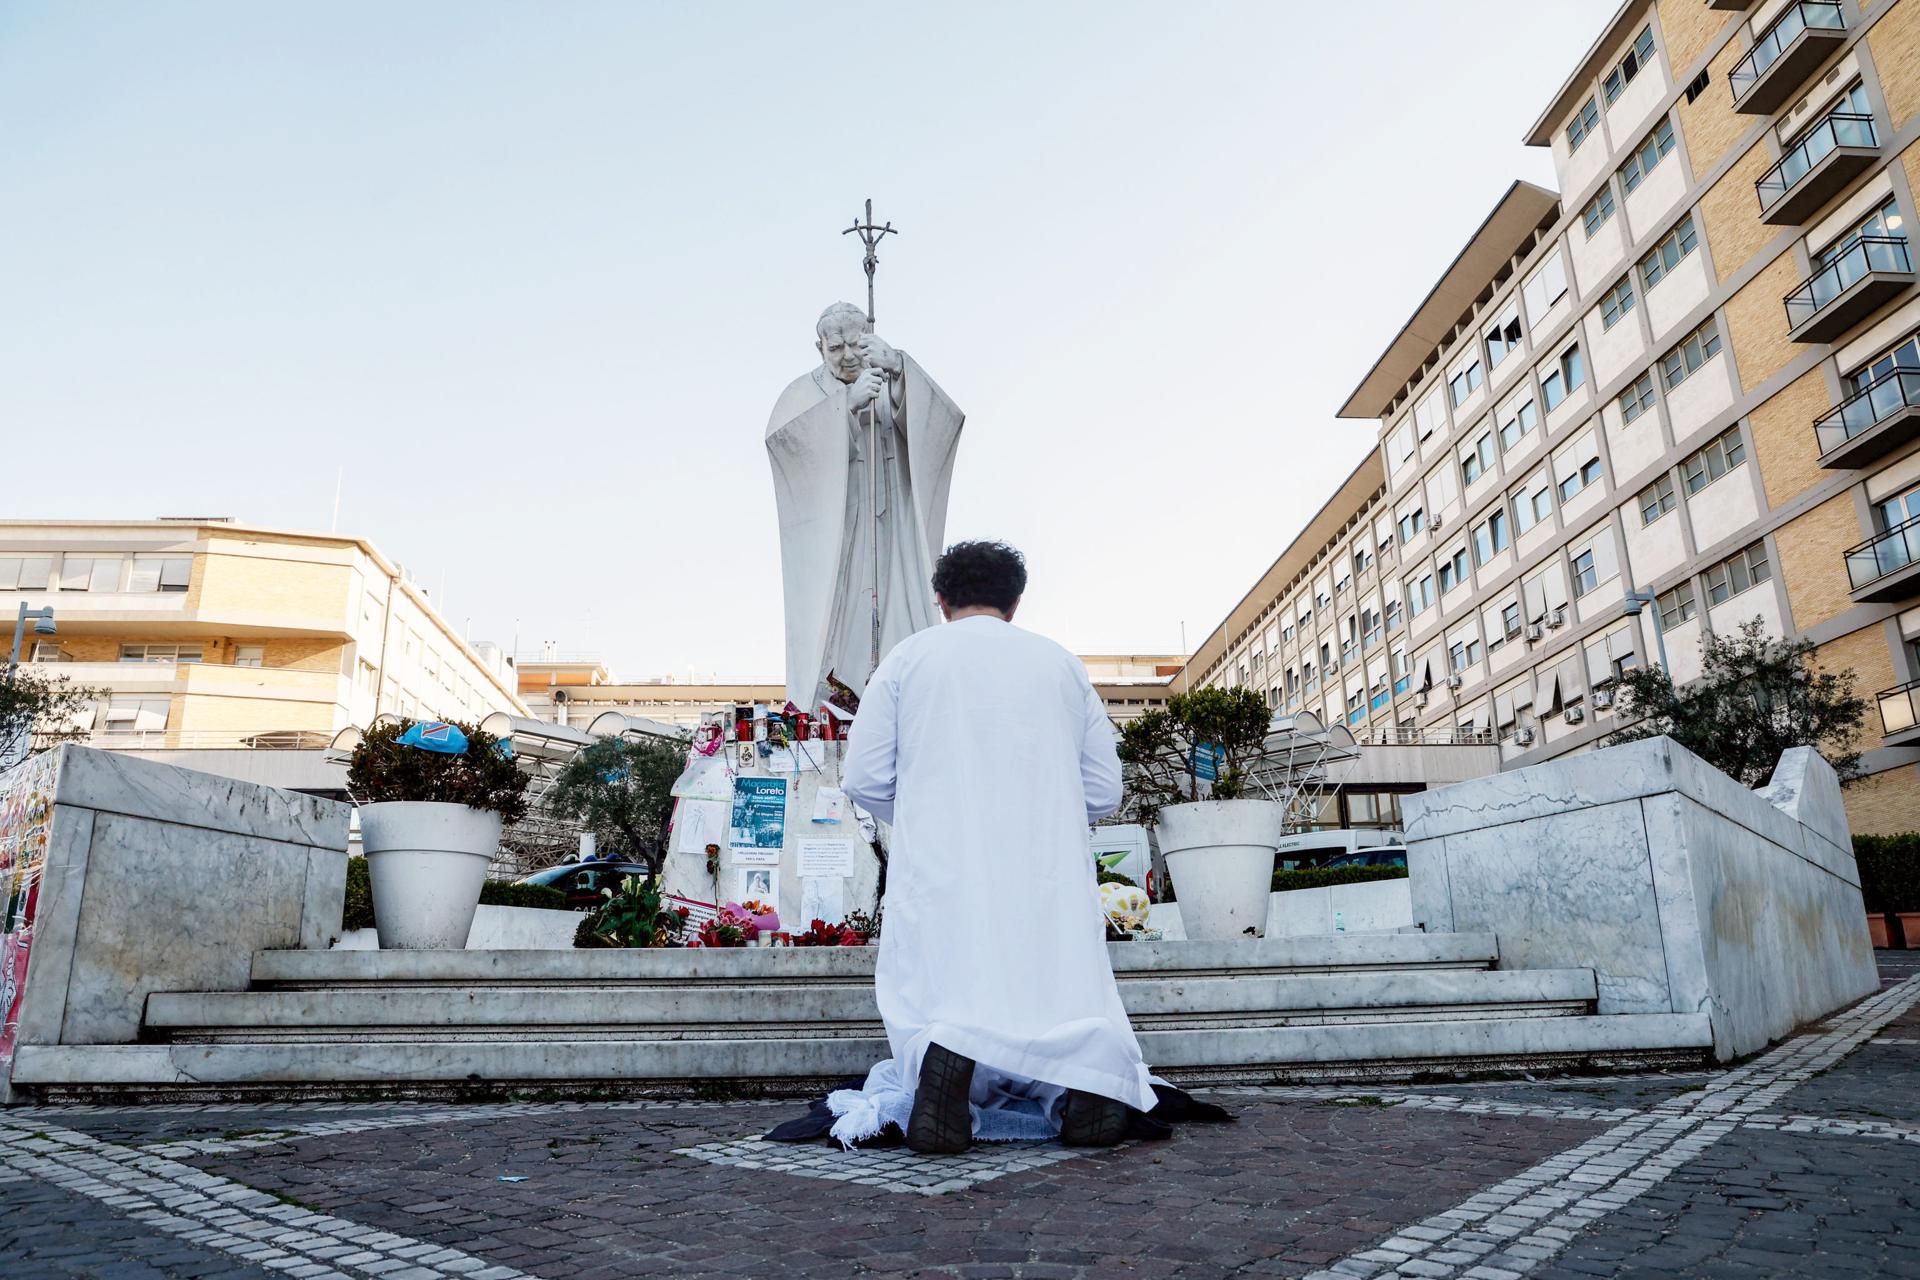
x: 833, y: 526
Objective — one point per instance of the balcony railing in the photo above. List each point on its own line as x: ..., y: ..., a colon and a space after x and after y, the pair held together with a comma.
x: 207, y: 740
x: 1870, y: 270
x: 1900, y: 710
x: 1805, y: 174
x: 1784, y: 55
x: 1882, y: 563
x: 1892, y: 397
x: 1396, y: 736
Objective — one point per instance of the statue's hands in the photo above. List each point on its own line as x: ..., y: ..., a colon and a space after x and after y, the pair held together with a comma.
x: 875, y: 351
x: 865, y: 388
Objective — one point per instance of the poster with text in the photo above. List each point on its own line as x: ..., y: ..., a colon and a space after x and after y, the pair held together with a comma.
x: 759, y: 815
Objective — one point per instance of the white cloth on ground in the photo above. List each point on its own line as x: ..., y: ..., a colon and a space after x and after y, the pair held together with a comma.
x: 987, y: 749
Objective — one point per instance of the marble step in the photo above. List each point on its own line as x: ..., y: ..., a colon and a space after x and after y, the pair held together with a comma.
x: 1330, y: 953
x: 711, y: 1010
x: 1374, y: 1051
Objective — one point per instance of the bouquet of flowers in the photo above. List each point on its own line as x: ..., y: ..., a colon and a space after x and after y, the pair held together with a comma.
x: 868, y: 927
x: 822, y: 934
x: 730, y: 927
x: 764, y: 917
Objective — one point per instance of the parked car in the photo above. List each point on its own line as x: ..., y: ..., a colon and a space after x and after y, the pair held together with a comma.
x: 582, y: 882
x: 1380, y: 856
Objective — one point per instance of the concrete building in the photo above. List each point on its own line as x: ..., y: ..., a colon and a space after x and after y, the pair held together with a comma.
x: 212, y: 636
x: 1695, y: 374
x: 573, y: 688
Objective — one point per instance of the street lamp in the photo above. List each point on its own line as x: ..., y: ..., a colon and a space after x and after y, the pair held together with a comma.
x: 42, y: 626
x: 1638, y: 601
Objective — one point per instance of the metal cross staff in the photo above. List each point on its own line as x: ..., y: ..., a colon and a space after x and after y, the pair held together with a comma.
x: 870, y: 236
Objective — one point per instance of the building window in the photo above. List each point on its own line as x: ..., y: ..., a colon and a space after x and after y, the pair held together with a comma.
x: 1665, y: 256
x: 25, y: 573
x: 1565, y: 379
x: 1478, y: 460
x: 1575, y: 481
x: 1420, y: 595
x: 250, y: 655
x: 1637, y: 398
x: 1616, y: 302
x: 181, y: 654
x: 1491, y: 536
x: 1722, y: 454
x: 1465, y: 382
x: 1453, y: 573
x: 1429, y: 414
x: 1531, y: 507
x: 1675, y: 606
x: 1411, y: 524
x: 99, y: 573
x: 1584, y: 122
x: 1736, y: 573
x: 1622, y: 75
x: 1698, y: 347
x: 1514, y: 429
x: 1503, y: 339
x: 1585, y: 575
x: 1393, y: 614
x: 159, y: 573
x: 1657, y: 499
x: 1598, y: 210
x: 1547, y: 287
x: 1882, y: 223
x: 1646, y: 156
x: 1510, y: 620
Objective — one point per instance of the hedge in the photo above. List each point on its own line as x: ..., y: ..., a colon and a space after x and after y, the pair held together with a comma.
x: 1889, y: 871
x: 494, y: 893
x: 1322, y: 877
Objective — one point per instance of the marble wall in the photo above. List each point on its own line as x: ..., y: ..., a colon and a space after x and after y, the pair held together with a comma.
x: 1683, y: 891
x: 158, y: 878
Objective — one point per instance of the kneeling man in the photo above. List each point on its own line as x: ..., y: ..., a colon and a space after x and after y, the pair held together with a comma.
x: 988, y: 750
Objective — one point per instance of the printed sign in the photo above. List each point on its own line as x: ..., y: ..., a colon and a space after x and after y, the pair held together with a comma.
x: 759, y: 816
x: 825, y: 858
x: 1207, y: 759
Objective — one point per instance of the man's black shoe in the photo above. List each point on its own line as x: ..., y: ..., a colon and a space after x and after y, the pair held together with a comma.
x: 1093, y: 1121
x: 942, y: 1123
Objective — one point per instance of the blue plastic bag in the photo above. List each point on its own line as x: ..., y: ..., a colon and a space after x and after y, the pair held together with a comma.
x: 437, y: 736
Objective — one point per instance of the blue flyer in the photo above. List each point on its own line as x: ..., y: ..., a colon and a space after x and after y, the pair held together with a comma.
x: 759, y: 824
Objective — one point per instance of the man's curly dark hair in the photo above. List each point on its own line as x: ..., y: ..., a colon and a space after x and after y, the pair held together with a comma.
x: 980, y: 573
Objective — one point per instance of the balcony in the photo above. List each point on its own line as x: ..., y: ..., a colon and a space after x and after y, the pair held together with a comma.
x: 1826, y: 158
x: 1870, y: 425
x: 1849, y: 289
x: 1785, y: 55
x: 1731, y: 6
x: 1886, y: 566
x: 1900, y: 715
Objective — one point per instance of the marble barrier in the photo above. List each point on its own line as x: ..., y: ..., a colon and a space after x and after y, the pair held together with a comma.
x: 126, y: 877
x: 1684, y: 891
x: 1372, y: 906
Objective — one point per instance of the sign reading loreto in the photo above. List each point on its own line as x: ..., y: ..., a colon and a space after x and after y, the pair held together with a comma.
x: 26, y: 815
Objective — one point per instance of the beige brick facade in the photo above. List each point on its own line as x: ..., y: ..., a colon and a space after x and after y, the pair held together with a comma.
x: 1864, y: 652
x: 1688, y: 27
x: 1885, y: 803
x: 1894, y: 42
x: 1810, y: 548
x: 1783, y: 439
x: 1757, y: 322
x: 1731, y: 212
x: 1709, y: 128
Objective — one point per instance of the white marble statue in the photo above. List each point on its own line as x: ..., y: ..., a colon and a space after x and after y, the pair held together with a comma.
x: 817, y: 441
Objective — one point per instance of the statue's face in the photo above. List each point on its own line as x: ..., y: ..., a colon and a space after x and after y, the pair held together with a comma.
x: 839, y: 347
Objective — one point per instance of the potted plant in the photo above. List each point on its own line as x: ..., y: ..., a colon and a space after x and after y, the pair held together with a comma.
x: 433, y: 797
x: 636, y: 916
x: 1187, y: 769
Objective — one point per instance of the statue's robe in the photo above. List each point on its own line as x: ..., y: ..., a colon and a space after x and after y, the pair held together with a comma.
x: 824, y: 498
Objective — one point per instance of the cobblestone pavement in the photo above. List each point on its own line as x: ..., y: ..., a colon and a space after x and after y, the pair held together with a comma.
x: 1797, y: 1163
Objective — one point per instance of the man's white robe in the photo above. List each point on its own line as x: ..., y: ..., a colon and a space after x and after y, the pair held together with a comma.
x: 822, y: 492
x: 988, y: 750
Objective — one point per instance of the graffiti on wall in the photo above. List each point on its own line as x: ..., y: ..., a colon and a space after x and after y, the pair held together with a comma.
x: 26, y: 817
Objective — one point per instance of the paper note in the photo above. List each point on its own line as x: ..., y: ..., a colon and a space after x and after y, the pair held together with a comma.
x: 825, y: 858
x: 829, y: 804
x: 822, y: 899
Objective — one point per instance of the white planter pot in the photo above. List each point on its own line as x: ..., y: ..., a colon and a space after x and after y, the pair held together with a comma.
x: 1220, y: 855
x: 427, y: 861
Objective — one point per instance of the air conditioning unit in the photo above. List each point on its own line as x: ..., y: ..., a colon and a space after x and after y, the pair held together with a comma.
x: 1523, y: 737
x: 1574, y: 714
x: 1420, y: 698
x: 1558, y: 618
x: 1535, y: 631
x: 1453, y: 682
x: 1436, y: 524
x: 1603, y: 697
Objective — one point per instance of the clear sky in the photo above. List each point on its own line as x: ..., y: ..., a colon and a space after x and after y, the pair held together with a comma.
x: 533, y: 275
